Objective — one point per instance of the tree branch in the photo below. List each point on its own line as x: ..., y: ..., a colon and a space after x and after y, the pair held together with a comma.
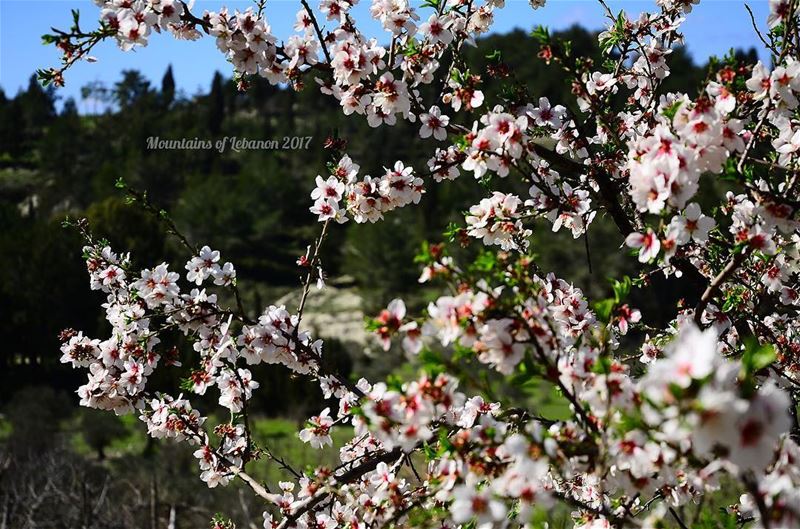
x: 716, y: 284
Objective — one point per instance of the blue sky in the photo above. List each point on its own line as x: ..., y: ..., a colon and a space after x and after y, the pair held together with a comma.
x: 711, y: 29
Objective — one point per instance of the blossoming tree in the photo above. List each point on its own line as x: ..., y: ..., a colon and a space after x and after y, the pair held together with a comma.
x: 706, y: 401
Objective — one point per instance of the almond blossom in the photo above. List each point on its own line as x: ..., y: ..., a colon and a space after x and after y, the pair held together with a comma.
x: 658, y: 411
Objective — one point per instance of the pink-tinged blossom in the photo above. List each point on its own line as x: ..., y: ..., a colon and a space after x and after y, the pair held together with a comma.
x: 317, y: 434
x: 693, y: 225
x: 202, y: 266
x: 470, y: 503
x: 436, y: 30
x: 547, y: 115
x: 495, y: 220
x: 625, y: 315
x: 80, y: 351
x: 647, y: 243
x: 434, y: 123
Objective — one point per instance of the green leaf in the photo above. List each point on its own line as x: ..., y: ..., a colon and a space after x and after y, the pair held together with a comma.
x: 461, y: 352
x: 567, y: 45
x: 445, y: 446
x: 621, y: 288
x: 452, y: 231
x: 485, y: 262
x: 371, y: 325
x: 671, y: 110
x: 602, y: 366
x: 757, y: 356
x: 541, y: 34
x: 394, y: 382
x: 431, y: 362
x: 424, y: 256
x: 430, y: 453
x: 411, y: 48
x: 603, y: 309
x: 45, y: 77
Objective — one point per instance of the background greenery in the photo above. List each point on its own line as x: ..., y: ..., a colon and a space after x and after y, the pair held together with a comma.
x: 65, y: 467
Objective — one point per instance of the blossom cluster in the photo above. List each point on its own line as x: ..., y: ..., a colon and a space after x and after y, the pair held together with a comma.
x: 133, y: 22
x: 657, y: 415
x: 368, y: 198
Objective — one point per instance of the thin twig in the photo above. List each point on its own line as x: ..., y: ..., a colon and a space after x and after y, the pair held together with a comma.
x: 318, y: 30
x: 678, y: 519
x: 717, y: 282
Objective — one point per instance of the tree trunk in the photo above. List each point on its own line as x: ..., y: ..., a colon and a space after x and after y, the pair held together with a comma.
x: 153, y: 501
x: 172, y: 517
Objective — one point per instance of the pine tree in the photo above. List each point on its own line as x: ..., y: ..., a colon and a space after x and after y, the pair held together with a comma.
x: 216, y: 104
x: 167, y: 88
